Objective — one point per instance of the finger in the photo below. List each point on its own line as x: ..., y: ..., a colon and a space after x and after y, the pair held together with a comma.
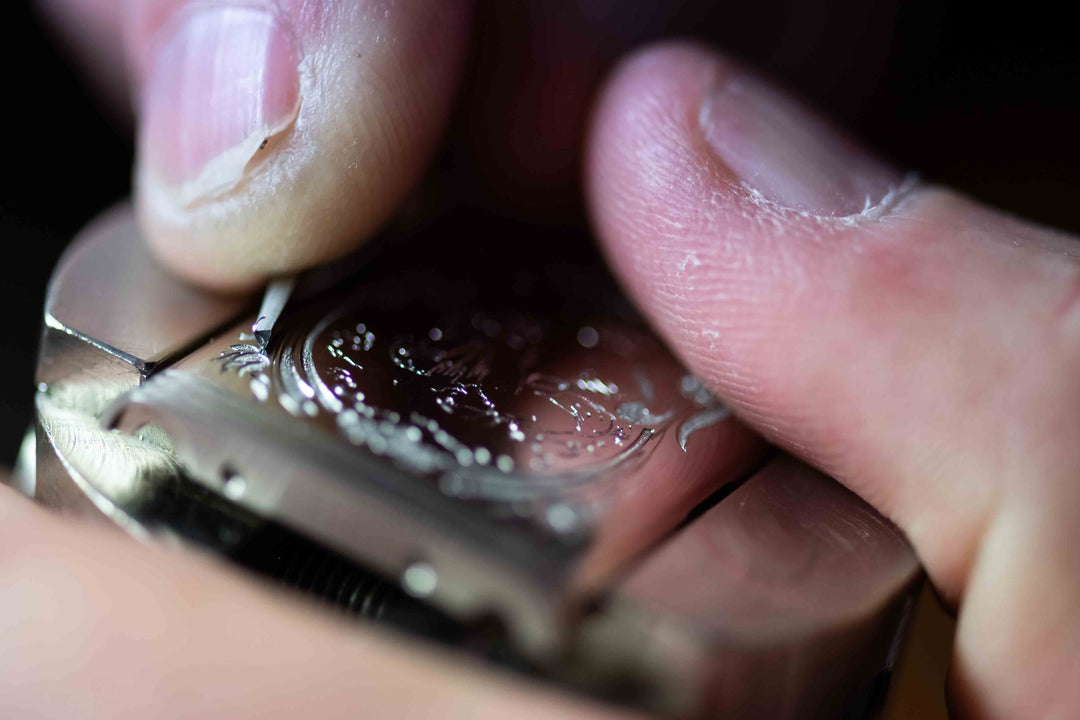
x: 93, y: 624
x: 273, y: 136
x: 918, y: 346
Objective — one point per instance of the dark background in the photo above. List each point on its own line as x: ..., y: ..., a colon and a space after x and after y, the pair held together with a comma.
x: 981, y: 99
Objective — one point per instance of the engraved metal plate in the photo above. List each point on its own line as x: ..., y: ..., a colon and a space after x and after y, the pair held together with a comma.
x: 489, y: 428
x: 549, y: 446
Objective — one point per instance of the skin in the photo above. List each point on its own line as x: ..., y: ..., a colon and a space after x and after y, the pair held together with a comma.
x: 923, y: 351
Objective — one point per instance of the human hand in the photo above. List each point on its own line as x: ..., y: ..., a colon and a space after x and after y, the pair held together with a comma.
x: 918, y: 347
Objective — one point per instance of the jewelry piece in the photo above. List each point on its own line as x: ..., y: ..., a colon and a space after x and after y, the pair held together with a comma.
x: 490, y: 451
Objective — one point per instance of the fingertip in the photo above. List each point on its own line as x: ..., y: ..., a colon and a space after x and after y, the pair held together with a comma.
x: 686, y: 143
x: 275, y: 138
x: 641, y: 133
x: 723, y: 206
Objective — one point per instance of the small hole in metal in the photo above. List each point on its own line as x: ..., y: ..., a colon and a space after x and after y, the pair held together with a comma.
x: 233, y: 484
x: 419, y: 580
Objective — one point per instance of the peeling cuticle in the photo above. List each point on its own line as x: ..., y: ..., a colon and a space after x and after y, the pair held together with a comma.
x: 872, y: 209
x: 224, y: 172
x: 224, y: 84
x: 785, y: 157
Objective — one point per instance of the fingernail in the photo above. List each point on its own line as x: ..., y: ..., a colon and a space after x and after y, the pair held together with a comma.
x: 221, y: 83
x: 787, y: 155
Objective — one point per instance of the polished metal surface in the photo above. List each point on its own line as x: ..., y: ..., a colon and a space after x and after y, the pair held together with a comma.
x: 780, y: 602
x: 112, y: 316
x: 109, y: 293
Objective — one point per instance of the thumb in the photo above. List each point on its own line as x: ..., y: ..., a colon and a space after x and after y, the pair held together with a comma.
x: 275, y: 135
x: 919, y: 347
